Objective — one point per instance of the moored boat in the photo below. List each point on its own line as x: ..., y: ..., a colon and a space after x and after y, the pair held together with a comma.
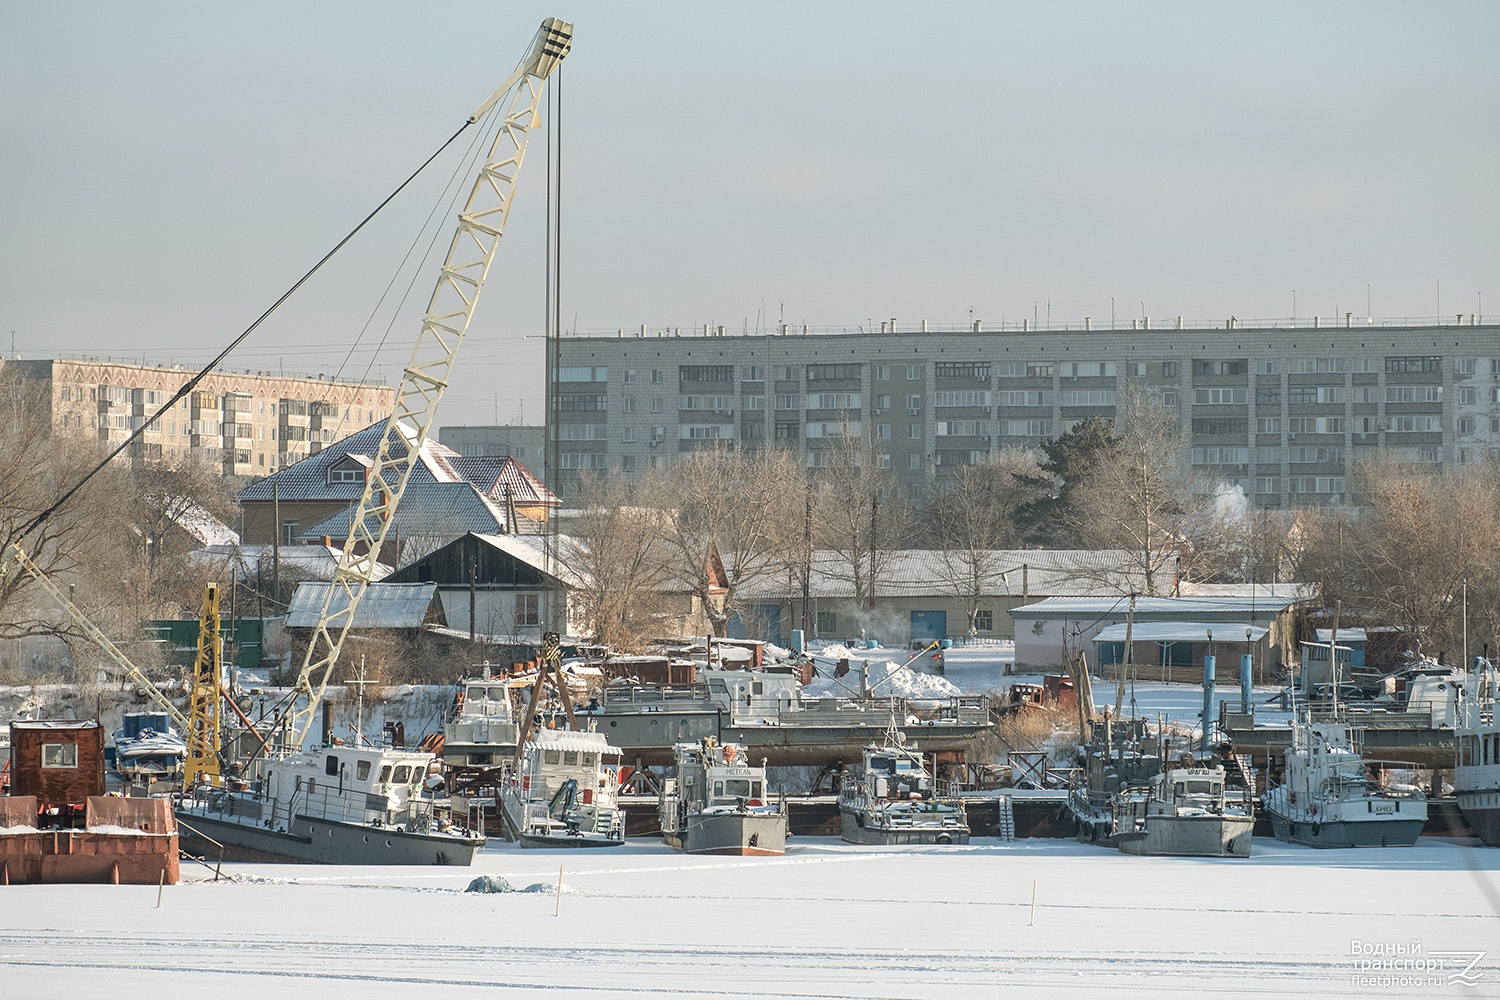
x: 148, y: 748
x: 334, y: 805
x: 563, y: 792
x: 1183, y: 812
x: 1476, y: 773
x: 1327, y: 799
x: 717, y: 803
x: 895, y: 799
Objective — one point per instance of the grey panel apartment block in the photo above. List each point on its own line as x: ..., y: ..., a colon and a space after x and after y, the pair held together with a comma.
x: 1280, y: 411
x: 526, y: 443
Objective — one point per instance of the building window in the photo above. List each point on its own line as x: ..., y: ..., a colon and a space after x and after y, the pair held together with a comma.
x: 827, y: 623
x: 978, y: 371
x: 346, y: 476
x: 1169, y: 369
x: 1464, y: 366
x: 882, y: 373
x: 984, y: 620
x: 1409, y: 366
x: 628, y: 404
x: 913, y: 372
x: 913, y: 461
x: 883, y: 431
x: 705, y: 373
x: 288, y: 531
x: 59, y: 754
x: 833, y: 373
x: 528, y: 609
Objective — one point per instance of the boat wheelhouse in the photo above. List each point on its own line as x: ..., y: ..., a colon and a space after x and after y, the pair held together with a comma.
x: 1183, y: 812
x: 896, y: 799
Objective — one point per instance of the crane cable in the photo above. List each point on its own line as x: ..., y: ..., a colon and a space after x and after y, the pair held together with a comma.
x: 192, y: 383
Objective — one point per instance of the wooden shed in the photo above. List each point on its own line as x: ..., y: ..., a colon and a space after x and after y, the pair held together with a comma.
x: 60, y: 763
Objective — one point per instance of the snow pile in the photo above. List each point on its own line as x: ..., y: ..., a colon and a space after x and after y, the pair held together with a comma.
x: 887, y: 678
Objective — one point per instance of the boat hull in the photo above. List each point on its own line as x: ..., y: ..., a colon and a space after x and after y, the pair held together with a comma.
x: 529, y: 840
x: 853, y: 830
x: 319, y: 841
x: 1482, y: 810
x: 743, y: 834
x: 1190, y: 837
x: 1396, y: 831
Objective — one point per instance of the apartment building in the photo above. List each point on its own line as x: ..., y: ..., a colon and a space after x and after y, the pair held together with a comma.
x: 1281, y: 411
x: 526, y: 443
x: 248, y: 424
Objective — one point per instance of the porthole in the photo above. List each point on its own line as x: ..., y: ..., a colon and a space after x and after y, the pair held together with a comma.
x: 387, y: 843
x: 367, y: 838
x: 312, y: 829
x: 330, y: 831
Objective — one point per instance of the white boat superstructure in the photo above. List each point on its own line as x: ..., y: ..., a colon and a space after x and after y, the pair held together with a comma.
x: 339, y: 805
x: 895, y: 799
x: 564, y: 792
x: 483, y: 731
x: 1476, y: 772
x: 718, y: 803
x: 1327, y: 799
x: 1183, y: 812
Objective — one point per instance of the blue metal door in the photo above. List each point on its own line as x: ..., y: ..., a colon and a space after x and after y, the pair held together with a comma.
x: 929, y: 625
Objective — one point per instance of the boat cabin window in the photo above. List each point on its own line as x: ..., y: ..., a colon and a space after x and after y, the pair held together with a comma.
x: 385, y: 773
x: 589, y: 760
x: 903, y: 765
x: 732, y: 788
x: 1195, y: 787
x: 330, y: 765
x: 362, y: 770
x: 570, y: 757
x: 551, y: 756
x: 402, y: 775
x: 880, y: 764
x: 497, y: 694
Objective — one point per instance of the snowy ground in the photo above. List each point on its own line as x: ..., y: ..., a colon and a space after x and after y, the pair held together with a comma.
x: 827, y: 920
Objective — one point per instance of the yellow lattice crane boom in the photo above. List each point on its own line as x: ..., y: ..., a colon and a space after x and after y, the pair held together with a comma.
x: 204, y: 716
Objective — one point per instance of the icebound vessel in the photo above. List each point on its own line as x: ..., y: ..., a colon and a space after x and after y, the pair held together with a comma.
x: 896, y: 800
x: 1183, y: 813
x: 717, y: 803
x: 563, y: 793
x: 1326, y: 799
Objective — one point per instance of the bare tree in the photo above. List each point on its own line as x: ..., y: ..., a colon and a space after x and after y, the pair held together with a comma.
x: 619, y: 551
x: 861, y: 511
x: 86, y: 544
x: 1426, y: 544
x: 737, y: 514
x: 975, y: 517
x: 1143, y: 496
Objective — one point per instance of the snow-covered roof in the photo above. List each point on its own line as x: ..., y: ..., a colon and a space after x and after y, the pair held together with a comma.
x: 445, y: 510
x: 1223, y: 632
x: 437, y: 463
x: 383, y: 605
x: 1176, y: 608
x: 532, y: 551
x: 318, y: 562
x: 927, y: 572
x: 1325, y: 635
x: 563, y: 739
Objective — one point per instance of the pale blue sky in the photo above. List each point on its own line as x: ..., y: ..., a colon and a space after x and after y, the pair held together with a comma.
x: 166, y: 169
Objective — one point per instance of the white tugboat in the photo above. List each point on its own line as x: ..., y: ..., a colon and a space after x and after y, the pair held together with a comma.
x: 1476, y: 774
x: 717, y: 803
x: 895, y: 800
x: 1183, y: 813
x: 563, y: 794
x: 483, y: 730
x: 336, y: 805
x: 1326, y: 798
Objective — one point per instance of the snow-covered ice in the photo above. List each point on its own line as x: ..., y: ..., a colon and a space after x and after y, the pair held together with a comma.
x: 827, y: 920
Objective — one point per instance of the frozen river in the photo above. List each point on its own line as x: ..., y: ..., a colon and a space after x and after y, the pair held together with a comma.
x: 827, y: 920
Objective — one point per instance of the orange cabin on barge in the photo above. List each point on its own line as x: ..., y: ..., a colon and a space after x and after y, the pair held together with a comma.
x: 57, y: 825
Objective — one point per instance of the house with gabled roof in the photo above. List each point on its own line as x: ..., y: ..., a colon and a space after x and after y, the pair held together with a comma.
x: 447, y: 492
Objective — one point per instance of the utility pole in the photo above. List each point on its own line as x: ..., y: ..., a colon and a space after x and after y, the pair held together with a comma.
x: 275, y: 543
x: 807, y: 556
x: 874, y: 516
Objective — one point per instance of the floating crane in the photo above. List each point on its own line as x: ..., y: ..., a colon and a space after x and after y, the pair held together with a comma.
x: 425, y: 378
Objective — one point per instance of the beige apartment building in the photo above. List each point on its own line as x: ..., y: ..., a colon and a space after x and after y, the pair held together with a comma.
x: 1280, y: 410
x: 248, y: 424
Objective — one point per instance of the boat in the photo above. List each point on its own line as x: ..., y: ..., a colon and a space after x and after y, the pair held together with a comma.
x: 563, y: 792
x: 1326, y: 798
x: 333, y: 805
x: 1476, y: 773
x: 767, y: 713
x: 716, y: 803
x: 1183, y: 812
x: 1119, y: 755
x: 148, y: 748
x: 482, y: 731
x: 896, y: 799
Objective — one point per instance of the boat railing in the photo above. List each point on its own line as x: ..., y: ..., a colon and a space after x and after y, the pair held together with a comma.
x: 648, y: 694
